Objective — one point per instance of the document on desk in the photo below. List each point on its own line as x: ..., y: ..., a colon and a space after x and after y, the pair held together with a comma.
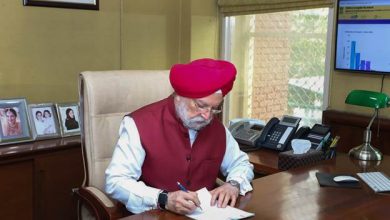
x: 213, y: 212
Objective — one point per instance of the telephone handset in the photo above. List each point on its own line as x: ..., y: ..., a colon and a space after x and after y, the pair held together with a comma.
x: 246, y: 131
x: 302, y: 132
x: 277, y: 133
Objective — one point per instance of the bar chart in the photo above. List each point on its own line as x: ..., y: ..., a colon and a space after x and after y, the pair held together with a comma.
x: 363, y: 47
x: 356, y: 62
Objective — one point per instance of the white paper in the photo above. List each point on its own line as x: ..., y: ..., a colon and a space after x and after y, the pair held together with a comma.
x: 213, y: 212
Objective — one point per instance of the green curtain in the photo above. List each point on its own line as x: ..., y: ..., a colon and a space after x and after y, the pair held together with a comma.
x: 243, y: 7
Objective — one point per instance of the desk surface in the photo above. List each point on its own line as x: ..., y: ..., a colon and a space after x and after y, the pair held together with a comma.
x: 296, y: 194
x: 264, y: 161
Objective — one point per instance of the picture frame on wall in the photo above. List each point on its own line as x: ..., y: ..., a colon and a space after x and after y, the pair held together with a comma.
x: 14, y: 123
x: 77, y: 4
x: 44, y: 121
x: 69, y: 118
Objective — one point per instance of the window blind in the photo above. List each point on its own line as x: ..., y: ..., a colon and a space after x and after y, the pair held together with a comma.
x: 243, y: 7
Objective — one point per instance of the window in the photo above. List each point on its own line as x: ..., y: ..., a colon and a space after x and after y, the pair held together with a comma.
x: 281, y: 59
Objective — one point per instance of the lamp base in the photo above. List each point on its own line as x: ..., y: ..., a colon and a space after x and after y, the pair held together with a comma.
x: 366, y: 152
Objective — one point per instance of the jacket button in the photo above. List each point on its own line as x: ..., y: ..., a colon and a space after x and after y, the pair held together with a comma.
x: 188, y: 158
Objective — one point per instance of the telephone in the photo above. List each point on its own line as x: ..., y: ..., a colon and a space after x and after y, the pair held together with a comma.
x: 317, y: 135
x: 246, y: 131
x: 277, y: 133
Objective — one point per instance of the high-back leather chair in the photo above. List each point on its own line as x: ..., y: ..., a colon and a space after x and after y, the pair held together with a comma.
x: 105, y: 98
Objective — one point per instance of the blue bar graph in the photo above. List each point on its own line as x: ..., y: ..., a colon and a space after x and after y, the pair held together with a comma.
x: 352, y: 56
x: 355, y: 61
x: 362, y: 65
x: 368, y: 65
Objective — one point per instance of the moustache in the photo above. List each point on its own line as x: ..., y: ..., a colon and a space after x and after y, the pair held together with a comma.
x: 198, y: 119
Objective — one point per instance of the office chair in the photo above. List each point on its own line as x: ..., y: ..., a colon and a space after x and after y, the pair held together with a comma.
x: 105, y: 98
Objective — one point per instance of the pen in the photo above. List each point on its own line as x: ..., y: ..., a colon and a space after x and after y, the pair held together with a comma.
x: 182, y: 188
x: 334, y: 142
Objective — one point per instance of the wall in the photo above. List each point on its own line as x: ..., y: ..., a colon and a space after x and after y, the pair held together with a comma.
x: 42, y: 50
x: 152, y: 33
x: 271, y: 66
x: 341, y: 83
x: 205, y: 37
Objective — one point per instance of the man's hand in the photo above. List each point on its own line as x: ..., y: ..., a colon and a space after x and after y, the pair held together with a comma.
x: 182, y: 202
x: 223, y: 194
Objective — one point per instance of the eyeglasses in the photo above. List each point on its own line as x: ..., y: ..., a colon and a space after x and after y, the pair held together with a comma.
x: 204, y: 108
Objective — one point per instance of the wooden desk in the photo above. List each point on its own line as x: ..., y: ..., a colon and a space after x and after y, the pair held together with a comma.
x: 296, y: 194
x: 264, y: 161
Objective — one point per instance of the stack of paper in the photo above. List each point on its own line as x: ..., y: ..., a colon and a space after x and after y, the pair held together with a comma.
x: 213, y: 212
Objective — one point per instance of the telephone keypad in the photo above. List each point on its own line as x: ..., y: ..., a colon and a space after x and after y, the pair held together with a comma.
x: 275, y: 136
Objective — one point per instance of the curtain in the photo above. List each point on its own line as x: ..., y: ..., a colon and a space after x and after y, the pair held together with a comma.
x: 242, y: 7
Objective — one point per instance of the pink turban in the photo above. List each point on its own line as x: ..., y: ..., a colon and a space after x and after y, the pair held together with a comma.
x: 202, y: 77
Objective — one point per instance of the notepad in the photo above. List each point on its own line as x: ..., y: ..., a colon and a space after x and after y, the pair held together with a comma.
x: 213, y: 212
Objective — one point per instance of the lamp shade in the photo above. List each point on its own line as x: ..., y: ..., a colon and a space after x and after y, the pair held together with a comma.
x: 368, y: 99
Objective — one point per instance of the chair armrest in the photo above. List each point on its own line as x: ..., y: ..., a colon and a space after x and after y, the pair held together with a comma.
x: 99, y: 204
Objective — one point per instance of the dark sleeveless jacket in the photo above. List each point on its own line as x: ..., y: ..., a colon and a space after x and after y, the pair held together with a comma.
x: 169, y: 155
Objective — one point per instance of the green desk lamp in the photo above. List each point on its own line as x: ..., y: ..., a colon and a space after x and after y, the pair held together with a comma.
x: 374, y: 100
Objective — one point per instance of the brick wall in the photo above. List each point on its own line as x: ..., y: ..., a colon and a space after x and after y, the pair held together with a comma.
x: 271, y: 62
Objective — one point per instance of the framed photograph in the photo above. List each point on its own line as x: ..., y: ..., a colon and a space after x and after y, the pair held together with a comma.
x: 43, y: 120
x: 69, y: 117
x: 14, y: 121
x: 79, y: 4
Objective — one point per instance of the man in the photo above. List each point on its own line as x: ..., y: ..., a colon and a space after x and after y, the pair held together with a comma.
x: 178, y: 140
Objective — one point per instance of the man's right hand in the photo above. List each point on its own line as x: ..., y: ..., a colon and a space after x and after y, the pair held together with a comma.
x: 182, y: 202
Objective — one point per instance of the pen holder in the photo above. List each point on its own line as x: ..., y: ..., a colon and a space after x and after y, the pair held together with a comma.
x: 288, y: 159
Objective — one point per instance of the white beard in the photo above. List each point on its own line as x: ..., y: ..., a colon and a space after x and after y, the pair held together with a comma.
x: 195, y: 123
